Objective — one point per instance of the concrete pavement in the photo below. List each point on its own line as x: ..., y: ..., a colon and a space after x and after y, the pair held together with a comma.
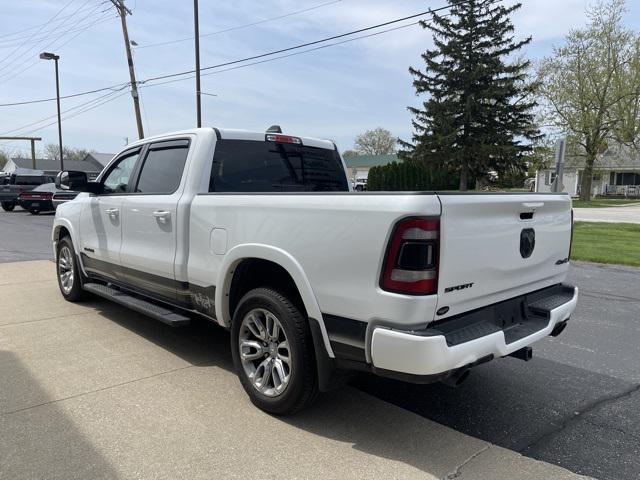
x: 621, y: 214
x: 95, y: 391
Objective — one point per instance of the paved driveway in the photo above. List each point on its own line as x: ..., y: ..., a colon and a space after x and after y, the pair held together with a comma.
x: 630, y: 214
x: 95, y: 391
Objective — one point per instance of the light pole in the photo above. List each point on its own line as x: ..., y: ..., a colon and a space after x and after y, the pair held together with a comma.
x: 55, y: 58
x: 196, y: 28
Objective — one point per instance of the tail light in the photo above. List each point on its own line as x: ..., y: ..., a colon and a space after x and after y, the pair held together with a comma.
x: 411, y: 263
x: 283, y: 139
x: 36, y: 196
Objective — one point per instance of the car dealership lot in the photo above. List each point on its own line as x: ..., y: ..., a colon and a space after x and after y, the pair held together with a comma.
x: 95, y: 391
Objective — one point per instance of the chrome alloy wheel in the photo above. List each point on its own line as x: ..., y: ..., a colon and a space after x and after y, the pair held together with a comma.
x: 65, y: 269
x: 264, y: 352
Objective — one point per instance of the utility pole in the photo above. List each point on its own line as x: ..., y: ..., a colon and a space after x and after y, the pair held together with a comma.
x: 561, y: 146
x: 196, y: 27
x: 123, y: 11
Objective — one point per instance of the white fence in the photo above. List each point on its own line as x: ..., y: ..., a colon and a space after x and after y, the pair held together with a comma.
x: 623, y: 190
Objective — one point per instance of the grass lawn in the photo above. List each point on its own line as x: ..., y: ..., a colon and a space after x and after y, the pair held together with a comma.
x: 604, y: 202
x: 607, y: 243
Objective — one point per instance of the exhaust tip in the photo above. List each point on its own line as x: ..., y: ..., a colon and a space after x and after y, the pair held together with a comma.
x: 457, y: 377
x: 525, y: 353
x: 558, y: 329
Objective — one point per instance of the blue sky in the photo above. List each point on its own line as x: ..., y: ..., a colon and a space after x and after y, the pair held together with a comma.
x: 335, y: 92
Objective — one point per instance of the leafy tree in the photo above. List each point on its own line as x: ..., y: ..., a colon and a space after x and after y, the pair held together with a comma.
x: 591, y: 85
x: 349, y: 153
x: 378, y: 141
x: 478, y: 116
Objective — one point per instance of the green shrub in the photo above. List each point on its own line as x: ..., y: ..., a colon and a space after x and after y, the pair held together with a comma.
x: 409, y: 176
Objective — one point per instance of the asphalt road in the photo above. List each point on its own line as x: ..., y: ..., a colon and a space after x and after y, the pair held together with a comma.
x: 575, y: 405
x: 24, y: 236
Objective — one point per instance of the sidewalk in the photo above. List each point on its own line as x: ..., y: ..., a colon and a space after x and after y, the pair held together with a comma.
x: 622, y: 214
x: 95, y: 391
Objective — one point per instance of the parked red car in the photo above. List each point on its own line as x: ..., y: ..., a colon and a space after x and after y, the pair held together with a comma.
x: 44, y: 198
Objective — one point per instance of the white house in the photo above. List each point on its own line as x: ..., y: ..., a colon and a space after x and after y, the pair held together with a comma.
x: 617, y: 173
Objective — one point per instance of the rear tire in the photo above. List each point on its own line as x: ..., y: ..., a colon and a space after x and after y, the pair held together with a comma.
x: 8, y: 206
x: 33, y: 211
x: 277, y: 370
x: 68, y: 272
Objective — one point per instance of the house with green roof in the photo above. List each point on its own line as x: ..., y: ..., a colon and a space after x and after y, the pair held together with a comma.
x: 358, y: 167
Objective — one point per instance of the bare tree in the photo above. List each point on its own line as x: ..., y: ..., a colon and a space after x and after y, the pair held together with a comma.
x: 52, y: 152
x: 591, y: 88
x: 378, y: 141
x: 4, y: 158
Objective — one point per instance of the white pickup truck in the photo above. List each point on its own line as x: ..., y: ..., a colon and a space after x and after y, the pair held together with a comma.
x: 260, y: 233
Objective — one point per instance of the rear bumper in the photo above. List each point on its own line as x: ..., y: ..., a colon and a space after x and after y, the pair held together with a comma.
x: 42, y: 205
x: 451, y: 346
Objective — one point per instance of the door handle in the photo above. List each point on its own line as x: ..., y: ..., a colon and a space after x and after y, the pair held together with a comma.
x: 162, y: 215
x: 112, y: 212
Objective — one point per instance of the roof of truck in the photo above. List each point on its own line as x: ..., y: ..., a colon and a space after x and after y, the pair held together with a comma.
x: 238, y: 134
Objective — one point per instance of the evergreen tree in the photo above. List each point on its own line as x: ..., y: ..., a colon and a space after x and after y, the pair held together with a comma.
x: 478, y: 115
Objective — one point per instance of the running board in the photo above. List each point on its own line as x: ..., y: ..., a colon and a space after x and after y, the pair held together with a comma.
x: 139, y: 305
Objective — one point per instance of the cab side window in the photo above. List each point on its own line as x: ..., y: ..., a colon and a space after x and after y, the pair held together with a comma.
x: 163, y: 166
x: 117, y: 180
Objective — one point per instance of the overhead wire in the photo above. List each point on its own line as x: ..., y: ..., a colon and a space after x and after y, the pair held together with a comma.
x: 17, y: 39
x: 145, y: 83
x: 51, y: 44
x: 239, y: 27
x: 274, y: 52
x: 18, y: 52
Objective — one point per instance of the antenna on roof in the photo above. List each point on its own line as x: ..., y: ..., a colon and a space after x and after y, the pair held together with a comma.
x: 274, y: 129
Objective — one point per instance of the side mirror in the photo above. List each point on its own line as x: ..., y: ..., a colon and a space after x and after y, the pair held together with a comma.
x: 72, y: 180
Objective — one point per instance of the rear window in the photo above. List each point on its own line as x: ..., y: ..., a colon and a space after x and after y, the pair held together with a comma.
x: 28, y: 180
x: 254, y: 166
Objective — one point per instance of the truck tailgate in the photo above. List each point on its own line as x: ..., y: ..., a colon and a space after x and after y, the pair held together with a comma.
x: 497, y: 246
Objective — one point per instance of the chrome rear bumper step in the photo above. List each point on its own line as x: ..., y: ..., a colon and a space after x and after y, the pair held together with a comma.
x: 145, y: 307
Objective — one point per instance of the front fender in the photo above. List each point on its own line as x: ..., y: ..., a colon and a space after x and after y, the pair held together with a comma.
x: 275, y: 255
x: 68, y: 217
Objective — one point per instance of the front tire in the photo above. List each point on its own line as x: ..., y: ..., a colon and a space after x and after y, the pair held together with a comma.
x: 68, y: 272
x: 8, y: 206
x: 273, y: 352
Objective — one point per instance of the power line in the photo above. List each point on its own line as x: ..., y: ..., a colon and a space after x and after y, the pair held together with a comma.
x: 26, y: 57
x: 31, y: 36
x: 44, y: 36
x: 5, y: 35
x: 18, y: 49
x: 287, y: 55
x: 254, y: 57
x: 63, y: 112
x: 238, y: 27
x: 308, y: 44
x: 9, y: 42
x: 8, y: 76
x: 80, y: 112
